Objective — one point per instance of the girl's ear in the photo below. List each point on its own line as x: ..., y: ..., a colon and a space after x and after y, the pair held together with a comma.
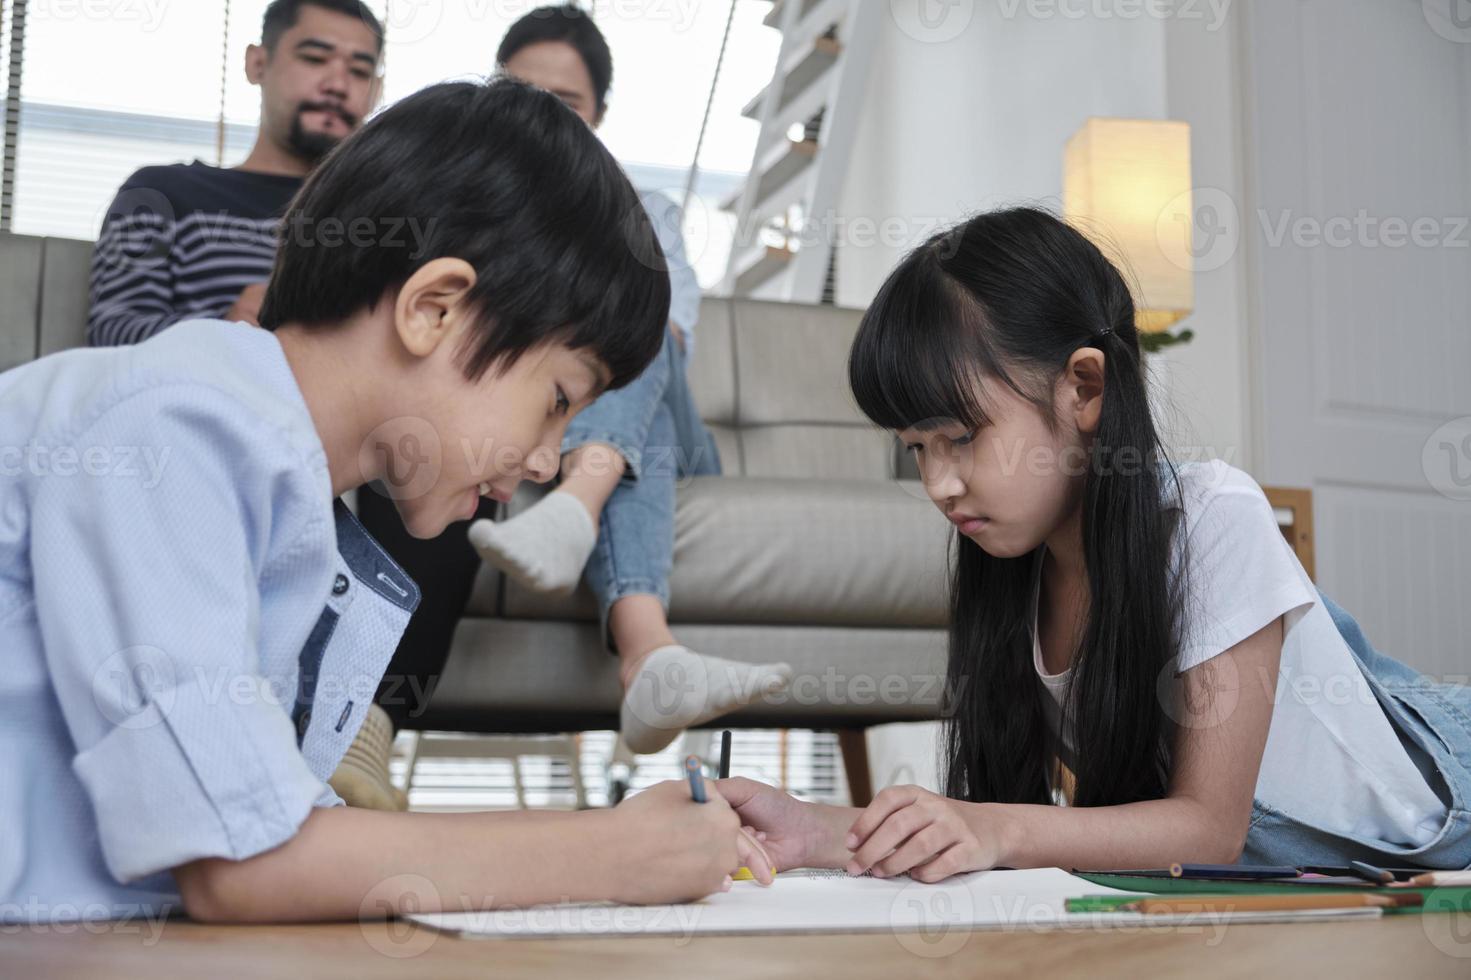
x: 1081, y: 389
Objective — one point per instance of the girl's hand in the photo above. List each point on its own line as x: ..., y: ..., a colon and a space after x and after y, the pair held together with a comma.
x: 907, y: 828
x: 795, y: 834
x: 666, y: 848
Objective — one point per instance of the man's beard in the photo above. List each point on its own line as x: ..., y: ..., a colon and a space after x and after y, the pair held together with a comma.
x: 312, y: 147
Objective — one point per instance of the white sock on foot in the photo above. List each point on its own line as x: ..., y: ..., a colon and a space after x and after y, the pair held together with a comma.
x: 545, y: 547
x: 675, y: 688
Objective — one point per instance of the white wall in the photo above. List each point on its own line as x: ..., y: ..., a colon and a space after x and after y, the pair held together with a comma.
x: 1210, y: 377
x: 980, y: 119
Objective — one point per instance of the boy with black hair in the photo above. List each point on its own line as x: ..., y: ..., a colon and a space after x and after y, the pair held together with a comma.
x: 191, y: 649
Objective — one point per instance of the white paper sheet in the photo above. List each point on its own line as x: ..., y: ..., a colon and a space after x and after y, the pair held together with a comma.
x: 832, y: 902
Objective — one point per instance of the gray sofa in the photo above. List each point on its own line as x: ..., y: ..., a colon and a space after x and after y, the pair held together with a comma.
x: 808, y: 550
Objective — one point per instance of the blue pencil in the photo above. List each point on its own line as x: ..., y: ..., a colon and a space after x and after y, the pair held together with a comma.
x: 697, y: 779
x: 1371, y: 873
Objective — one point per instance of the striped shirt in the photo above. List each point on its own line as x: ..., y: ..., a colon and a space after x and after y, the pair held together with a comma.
x: 180, y: 242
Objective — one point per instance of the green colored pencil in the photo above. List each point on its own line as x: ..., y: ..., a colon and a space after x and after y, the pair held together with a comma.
x: 1100, y: 903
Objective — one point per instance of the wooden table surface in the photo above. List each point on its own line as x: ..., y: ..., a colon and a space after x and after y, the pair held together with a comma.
x: 1396, y: 948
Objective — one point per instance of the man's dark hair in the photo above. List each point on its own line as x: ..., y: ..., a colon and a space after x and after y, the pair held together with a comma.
x: 504, y: 176
x: 569, y: 24
x: 282, y: 15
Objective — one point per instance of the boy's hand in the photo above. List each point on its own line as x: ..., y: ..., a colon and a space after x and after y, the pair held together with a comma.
x: 795, y: 834
x: 247, y: 305
x: 669, y: 849
x: 907, y: 828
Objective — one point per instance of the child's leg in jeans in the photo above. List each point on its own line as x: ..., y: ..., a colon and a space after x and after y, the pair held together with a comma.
x: 667, y: 686
x: 621, y: 458
x: 698, y: 453
x: 546, y: 547
x: 634, y: 614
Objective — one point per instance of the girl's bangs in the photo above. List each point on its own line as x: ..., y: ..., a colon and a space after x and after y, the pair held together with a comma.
x: 921, y: 352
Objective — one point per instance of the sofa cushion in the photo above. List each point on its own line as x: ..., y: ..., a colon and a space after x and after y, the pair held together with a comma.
x: 20, y: 298
x: 510, y: 675
x: 797, y: 414
x: 711, y: 379
x: 835, y: 452
x: 65, y: 295
x: 792, y: 364
x: 756, y: 550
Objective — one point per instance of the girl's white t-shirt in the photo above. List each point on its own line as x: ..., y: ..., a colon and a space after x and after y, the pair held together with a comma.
x: 1332, y: 758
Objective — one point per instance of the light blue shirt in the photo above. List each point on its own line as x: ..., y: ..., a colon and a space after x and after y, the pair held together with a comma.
x: 191, y: 629
x: 684, y: 285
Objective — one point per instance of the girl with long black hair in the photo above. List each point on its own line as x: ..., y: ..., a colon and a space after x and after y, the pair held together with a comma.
x: 1140, y: 671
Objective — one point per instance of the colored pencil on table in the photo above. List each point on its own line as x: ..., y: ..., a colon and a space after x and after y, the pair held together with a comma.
x: 1369, y: 872
x: 1208, y: 904
x: 1441, y: 879
x: 724, y: 754
x: 697, y: 779
x: 1179, y: 870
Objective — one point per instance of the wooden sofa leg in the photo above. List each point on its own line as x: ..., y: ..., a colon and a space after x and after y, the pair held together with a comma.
x: 853, y: 743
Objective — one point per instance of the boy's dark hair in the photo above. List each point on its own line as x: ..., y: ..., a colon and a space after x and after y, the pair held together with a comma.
x: 506, y: 177
x: 569, y: 24
x: 282, y: 15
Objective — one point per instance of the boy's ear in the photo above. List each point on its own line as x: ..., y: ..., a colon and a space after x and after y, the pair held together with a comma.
x: 431, y: 304
x: 1082, y: 388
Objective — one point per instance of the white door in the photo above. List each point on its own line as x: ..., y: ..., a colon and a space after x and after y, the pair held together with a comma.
x: 1358, y: 126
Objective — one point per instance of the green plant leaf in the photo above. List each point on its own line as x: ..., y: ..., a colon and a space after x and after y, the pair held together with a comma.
x: 1152, y: 343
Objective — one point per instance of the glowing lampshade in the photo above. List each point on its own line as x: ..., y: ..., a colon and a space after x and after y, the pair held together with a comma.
x: 1126, y: 185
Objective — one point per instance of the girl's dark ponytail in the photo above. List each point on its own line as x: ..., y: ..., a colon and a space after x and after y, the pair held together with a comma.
x: 1122, y: 733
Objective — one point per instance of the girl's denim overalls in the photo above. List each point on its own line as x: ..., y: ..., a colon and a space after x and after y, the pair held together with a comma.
x: 1434, y: 718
